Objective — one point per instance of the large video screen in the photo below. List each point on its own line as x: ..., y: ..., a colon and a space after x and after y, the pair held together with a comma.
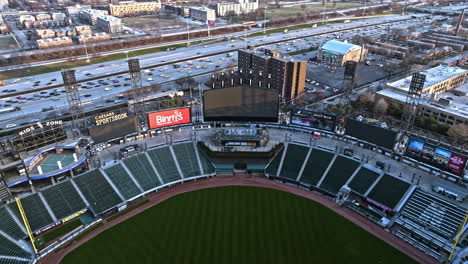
x: 370, y: 133
x: 113, y: 129
x: 172, y: 117
x: 435, y: 156
x: 241, y: 104
x: 314, y: 119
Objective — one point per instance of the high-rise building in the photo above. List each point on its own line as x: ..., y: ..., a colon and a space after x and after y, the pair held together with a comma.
x: 272, y: 70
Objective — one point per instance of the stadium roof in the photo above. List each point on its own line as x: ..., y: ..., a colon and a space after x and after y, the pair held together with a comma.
x: 339, y: 47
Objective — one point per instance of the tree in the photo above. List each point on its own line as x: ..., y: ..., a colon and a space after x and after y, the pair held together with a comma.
x: 395, y: 109
x: 381, y: 106
x: 367, y: 98
x: 459, y: 131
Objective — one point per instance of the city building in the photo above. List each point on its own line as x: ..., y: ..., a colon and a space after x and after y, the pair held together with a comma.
x: 75, y: 10
x: 177, y: 10
x: 338, y: 52
x: 59, y: 16
x: 4, y: 4
x: 26, y: 18
x: 444, y: 96
x: 83, y: 30
x: 4, y: 28
x: 132, y: 8
x: 54, y: 42
x: 43, y: 16
x: 109, y: 24
x: 272, y: 70
x: 44, y: 33
x: 96, y: 37
x: 90, y: 16
x: 242, y: 7
x: 202, y: 14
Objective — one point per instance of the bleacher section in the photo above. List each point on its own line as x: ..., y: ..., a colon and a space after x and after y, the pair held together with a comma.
x: 35, y: 210
x: 13, y: 261
x: 9, y: 226
x: 272, y: 168
x: 433, y: 213
x: 63, y: 199
x: 185, y: 154
x: 341, y: 170
x: 207, y: 167
x: 122, y: 181
x: 363, y: 180
x: 164, y: 163
x: 97, y: 191
x: 141, y: 169
x: 389, y: 191
x: 293, y: 160
x: 317, y: 164
x: 8, y: 248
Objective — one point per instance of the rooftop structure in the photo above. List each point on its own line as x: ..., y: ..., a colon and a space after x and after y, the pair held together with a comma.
x: 339, y: 52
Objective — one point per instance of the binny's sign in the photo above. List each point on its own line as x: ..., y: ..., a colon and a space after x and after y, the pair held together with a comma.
x: 169, y: 118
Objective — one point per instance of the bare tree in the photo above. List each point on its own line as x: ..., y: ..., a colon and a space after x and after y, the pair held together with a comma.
x: 459, y: 131
x: 367, y: 98
x: 381, y: 106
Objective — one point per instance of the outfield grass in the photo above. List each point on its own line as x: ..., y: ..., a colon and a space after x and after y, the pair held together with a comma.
x: 236, y: 225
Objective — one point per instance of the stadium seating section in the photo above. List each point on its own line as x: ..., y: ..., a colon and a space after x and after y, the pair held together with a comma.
x: 272, y: 168
x: 363, y: 180
x: 63, y: 199
x: 9, y: 226
x: 8, y: 248
x: 207, y: 167
x: 341, y: 170
x: 13, y: 261
x: 188, y: 162
x: 389, y: 191
x: 97, y: 191
x: 122, y: 181
x: 293, y: 160
x: 165, y: 164
x: 433, y: 213
x: 317, y: 164
x: 35, y: 210
x: 140, y: 167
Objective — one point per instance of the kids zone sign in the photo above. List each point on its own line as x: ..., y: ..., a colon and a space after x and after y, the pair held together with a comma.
x: 172, y: 117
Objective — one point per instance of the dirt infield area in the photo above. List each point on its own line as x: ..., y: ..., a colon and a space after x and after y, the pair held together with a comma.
x: 158, y: 197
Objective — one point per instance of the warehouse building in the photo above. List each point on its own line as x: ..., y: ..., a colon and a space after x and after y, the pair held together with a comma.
x: 338, y: 52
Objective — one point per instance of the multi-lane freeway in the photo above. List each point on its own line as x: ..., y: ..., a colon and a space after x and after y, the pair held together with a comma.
x: 103, y: 84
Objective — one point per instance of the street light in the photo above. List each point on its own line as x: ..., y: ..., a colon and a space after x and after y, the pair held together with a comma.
x: 264, y: 23
x: 86, y: 50
x: 126, y: 54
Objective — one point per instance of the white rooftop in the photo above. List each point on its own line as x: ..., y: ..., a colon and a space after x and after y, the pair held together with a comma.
x: 339, y: 47
x: 433, y: 76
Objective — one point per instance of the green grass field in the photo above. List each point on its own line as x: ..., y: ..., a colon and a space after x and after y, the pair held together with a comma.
x: 236, y: 225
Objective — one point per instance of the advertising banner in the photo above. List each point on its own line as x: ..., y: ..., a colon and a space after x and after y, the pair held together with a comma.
x: 314, y: 119
x: 169, y: 118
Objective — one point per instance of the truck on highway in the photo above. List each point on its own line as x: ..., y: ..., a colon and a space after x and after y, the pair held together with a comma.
x: 9, y: 109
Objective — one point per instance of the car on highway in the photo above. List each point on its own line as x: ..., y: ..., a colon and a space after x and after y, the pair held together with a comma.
x: 87, y: 95
x: 107, y: 89
x: 10, y: 126
x: 102, y: 65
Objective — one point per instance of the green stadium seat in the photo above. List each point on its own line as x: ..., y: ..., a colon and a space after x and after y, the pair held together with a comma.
x: 122, y: 181
x: 13, y: 261
x: 63, y: 199
x: 9, y: 226
x: 187, y: 159
x: 389, y: 191
x: 207, y: 166
x: 97, y: 191
x: 272, y: 168
x: 341, y: 170
x: 35, y: 210
x: 8, y: 248
x: 165, y: 164
x: 317, y: 164
x: 141, y: 169
x: 293, y: 161
x: 363, y: 180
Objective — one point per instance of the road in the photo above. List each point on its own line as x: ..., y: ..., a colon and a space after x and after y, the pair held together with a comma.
x: 96, y: 92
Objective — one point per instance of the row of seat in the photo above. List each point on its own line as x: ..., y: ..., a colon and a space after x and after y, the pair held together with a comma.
x: 329, y: 171
x: 101, y: 190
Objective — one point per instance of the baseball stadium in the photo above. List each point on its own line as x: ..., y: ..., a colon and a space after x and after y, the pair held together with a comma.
x: 235, y: 179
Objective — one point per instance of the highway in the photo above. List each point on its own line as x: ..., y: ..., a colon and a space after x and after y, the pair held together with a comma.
x: 108, y: 89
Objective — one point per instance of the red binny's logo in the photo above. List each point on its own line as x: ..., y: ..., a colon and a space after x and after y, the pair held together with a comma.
x: 169, y: 118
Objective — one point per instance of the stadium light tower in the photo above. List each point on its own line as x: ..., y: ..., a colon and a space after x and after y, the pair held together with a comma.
x: 135, y: 76
x: 348, y: 81
x: 74, y: 102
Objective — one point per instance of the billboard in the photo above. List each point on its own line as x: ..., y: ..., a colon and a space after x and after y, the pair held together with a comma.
x: 435, y: 156
x: 314, y: 119
x: 172, y: 117
x: 371, y: 133
x: 112, y: 125
x: 241, y: 104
